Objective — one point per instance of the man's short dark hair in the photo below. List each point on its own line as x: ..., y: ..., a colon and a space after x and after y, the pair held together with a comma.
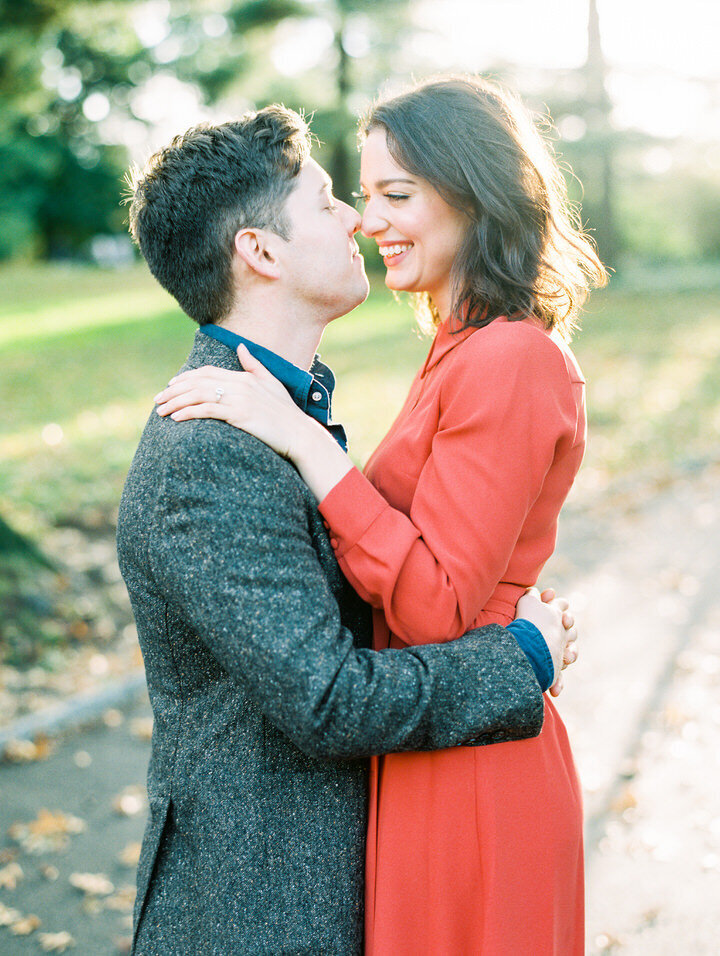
x: 194, y: 195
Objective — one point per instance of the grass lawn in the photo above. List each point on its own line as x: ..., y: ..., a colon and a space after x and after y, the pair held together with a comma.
x: 82, y: 351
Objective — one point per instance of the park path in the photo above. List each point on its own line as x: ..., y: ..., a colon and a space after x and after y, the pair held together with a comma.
x: 641, y: 706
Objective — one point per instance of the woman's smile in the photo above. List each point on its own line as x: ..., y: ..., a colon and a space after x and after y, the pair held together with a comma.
x: 393, y: 253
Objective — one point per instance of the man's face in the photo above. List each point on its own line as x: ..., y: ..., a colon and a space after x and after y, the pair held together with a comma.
x: 321, y: 262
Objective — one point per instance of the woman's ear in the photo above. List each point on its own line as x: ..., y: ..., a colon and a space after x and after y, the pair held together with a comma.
x: 257, y: 250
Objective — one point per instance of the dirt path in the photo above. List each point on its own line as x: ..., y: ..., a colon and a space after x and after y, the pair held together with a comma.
x: 641, y: 705
x: 643, y: 712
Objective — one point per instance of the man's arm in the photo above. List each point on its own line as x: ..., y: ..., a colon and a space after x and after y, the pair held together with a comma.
x: 234, y: 554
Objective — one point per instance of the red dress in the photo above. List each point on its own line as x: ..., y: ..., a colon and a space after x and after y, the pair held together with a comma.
x: 472, y: 850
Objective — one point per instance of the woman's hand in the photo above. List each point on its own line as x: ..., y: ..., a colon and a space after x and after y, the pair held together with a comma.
x: 253, y: 400
x: 256, y: 402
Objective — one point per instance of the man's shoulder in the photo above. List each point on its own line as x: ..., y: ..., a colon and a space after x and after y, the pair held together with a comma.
x: 206, y: 450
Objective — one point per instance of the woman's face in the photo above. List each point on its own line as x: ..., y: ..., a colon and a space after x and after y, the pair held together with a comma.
x: 417, y: 232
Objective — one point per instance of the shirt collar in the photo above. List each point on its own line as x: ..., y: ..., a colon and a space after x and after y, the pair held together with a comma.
x: 311, y: 391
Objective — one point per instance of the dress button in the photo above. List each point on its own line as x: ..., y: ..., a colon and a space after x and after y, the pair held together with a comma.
x: 316, y: 396
x: 334, y: 543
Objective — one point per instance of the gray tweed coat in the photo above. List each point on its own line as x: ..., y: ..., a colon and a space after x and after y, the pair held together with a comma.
x: 266, y: 698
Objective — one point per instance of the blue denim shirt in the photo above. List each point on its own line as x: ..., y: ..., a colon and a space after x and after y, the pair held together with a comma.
x: 312, y: 392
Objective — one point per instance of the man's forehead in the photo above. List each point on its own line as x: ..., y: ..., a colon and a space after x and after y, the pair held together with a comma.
x: 315, y: 175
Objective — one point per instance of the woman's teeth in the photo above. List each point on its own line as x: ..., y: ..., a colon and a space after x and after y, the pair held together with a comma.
x: 389, y: 251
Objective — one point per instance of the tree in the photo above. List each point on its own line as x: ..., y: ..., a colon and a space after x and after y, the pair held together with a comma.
x: 59, y: 181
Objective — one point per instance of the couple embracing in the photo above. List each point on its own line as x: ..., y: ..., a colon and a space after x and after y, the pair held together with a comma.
x: 352, y: 747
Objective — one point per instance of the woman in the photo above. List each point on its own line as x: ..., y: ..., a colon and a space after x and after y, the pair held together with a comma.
x: 470, y: 850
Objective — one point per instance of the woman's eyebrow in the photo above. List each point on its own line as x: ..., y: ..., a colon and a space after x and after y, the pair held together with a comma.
x: 384, y: 183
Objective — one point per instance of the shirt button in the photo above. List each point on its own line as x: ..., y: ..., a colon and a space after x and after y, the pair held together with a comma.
x: 334, y: 543
x: 316, y: 396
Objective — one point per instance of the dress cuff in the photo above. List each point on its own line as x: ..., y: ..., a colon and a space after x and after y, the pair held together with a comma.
x: 536, y: 650
x: 349, y: 509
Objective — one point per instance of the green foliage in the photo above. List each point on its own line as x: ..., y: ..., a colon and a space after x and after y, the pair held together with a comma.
x: 59, y: 183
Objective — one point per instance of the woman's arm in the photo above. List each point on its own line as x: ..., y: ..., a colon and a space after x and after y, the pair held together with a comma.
x: 504, y: 416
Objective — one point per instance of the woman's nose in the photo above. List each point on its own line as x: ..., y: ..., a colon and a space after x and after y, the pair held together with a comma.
x: 371, y: 222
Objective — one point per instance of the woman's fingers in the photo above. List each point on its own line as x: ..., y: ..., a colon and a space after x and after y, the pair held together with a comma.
x: 557, y: 687
x: 208, y: 375
x: 196, y: 396
x: 251, y: 364
x: 203, y: 410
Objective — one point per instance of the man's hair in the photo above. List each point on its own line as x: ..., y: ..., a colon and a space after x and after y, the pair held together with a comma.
x: 194, y: 195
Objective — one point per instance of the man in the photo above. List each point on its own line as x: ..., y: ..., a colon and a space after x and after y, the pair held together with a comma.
x: 265, y: 694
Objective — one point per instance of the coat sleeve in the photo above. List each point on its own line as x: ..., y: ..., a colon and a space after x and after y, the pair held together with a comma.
x: 234, y: 556
x: 506, y: 411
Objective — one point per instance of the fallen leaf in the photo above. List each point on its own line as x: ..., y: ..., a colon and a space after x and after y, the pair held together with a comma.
x: 113, y: 717
x: 48, y: 831
x: 130, y: 801
x: 8, y: 916
x: 93, y: 884
x: 55, y: 942
x: 20, y: 751
x: 25, y: 925
x: 9, y: 876
x: 122, y: 901
x: 626, y: 800
x: 91, y: 905
x: 142, y: 727
x: 130, y: 854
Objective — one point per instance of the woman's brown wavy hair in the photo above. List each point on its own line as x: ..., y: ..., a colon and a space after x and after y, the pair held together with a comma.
x: 524, y: 253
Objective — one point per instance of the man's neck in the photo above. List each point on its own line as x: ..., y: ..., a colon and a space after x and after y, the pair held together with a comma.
x: 285, y: 328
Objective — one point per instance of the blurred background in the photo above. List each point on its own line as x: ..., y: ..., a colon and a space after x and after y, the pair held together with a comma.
x: 628, y: 92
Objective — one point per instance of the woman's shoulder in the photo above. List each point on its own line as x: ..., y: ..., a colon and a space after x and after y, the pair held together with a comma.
x: 522, y: 344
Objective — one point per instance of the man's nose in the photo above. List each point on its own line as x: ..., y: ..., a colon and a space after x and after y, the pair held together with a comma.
x: 352, y: 218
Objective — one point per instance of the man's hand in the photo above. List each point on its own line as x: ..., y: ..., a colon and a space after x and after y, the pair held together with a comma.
x: 552, y: 616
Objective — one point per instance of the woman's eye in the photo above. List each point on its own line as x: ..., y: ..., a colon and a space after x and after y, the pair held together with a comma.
x: 360, y: 198
x: 396, y: 197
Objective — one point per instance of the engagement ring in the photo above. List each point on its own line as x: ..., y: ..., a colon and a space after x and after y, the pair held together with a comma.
x: 219, y: 392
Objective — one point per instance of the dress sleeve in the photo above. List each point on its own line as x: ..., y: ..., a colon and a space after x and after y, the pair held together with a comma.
x: 507, y: 410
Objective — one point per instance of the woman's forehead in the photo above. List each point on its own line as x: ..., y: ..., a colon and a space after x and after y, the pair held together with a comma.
x: 377, y: 163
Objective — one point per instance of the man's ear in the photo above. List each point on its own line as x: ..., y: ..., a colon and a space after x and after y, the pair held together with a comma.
x: 256, y: 248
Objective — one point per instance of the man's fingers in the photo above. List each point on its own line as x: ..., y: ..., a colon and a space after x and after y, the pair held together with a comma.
x: 548, y: 595
x: 568, y: 619
x: 557, y: 687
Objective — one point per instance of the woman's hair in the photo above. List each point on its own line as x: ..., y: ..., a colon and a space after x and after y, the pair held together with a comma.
x: 524, y: 252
